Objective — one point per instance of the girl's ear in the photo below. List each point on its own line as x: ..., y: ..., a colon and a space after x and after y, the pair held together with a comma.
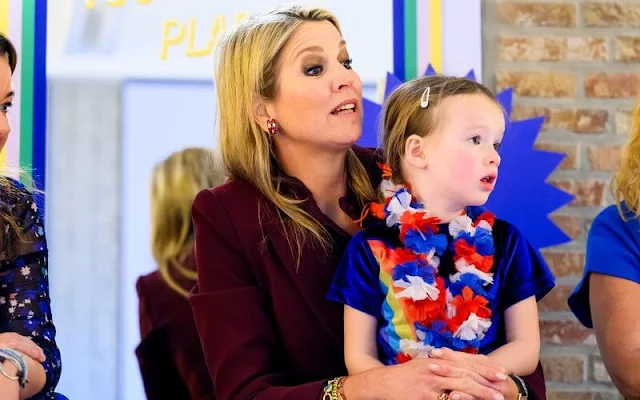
x: 415, y: 151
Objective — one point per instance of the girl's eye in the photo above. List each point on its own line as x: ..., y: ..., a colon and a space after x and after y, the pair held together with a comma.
x: 475, y: 139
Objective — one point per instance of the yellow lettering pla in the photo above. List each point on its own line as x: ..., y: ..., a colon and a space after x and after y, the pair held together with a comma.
x: 168, y: 40
x: 191, y: 51
x: 114, y: 3
x: 241, y: 16
x: 219, y: 27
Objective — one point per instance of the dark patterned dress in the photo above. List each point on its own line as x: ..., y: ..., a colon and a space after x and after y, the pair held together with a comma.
x: 25, y: 306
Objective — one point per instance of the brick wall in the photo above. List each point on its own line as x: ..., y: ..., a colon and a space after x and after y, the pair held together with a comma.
x: 578, y: 64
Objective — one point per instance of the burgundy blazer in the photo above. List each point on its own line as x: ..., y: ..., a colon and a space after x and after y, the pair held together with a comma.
x: 267, y: 330
x: 169, y: 354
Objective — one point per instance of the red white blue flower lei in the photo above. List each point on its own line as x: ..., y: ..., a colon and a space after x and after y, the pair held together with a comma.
x: 456, y: 314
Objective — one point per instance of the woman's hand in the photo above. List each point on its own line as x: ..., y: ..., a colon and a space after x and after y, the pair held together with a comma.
x: 455, y: 364
x: 33, y: 357
x: 23, y: 345
x: 426, y: 379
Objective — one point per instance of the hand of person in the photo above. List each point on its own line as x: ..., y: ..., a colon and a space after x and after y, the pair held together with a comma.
x: 22, y: 344
x: 429, y: 379
x: 449, y: 362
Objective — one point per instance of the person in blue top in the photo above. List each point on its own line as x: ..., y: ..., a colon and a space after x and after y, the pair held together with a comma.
x: 440, y: 272
x: 606, y: 298
x: 29, y: 357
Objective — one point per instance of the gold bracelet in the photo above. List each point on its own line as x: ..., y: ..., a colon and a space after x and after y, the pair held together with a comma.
x: 334, y: 390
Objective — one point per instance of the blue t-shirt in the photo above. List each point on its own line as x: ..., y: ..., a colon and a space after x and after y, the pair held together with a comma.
x: 613, y: 248
x: 360, y: 282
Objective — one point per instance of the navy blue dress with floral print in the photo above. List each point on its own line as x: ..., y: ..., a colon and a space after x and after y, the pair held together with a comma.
x: 25, y: 306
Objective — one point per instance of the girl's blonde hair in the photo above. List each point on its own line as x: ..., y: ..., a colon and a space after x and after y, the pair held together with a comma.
x: 247, y: 70
x: 404, y: 116
x: 174, y: 184
x: 626, y: 182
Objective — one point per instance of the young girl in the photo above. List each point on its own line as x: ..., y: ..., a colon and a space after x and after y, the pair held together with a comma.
x: 440, y: 271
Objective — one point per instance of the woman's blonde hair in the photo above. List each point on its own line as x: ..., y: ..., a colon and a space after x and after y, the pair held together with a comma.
x: 174, y: 184
x: 404, y: 116
x: 247, y: 66
x: 626, y: 182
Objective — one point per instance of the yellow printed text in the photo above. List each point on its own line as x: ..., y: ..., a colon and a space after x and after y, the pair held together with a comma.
x: 113, y: 3
x: 184, y: 35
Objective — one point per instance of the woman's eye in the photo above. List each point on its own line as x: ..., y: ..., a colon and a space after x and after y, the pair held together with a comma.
x: 313, y: 70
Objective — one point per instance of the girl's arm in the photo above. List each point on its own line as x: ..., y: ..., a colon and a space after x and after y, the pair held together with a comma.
x: 360, y: 348
x: 521, y: 354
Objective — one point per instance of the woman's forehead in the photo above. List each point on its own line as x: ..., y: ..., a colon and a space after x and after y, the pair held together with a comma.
x: 316, y: 35
x: 6, y: 83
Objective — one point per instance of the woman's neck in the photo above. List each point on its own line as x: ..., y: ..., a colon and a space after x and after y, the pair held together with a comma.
x: 323, y: 174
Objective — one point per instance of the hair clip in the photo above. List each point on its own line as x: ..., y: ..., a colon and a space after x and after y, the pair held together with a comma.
x: 424, y: 100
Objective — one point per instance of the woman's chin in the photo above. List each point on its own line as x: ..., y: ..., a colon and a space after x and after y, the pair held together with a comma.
x: 349, y: 140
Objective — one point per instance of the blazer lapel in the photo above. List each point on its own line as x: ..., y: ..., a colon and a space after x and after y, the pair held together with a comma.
x: 312, y: 276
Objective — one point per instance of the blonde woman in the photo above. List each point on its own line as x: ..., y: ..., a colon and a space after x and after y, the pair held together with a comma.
x: 170, y: 355
x: 30, y: 363
x: 268, y: 242
x: 606, y: 298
